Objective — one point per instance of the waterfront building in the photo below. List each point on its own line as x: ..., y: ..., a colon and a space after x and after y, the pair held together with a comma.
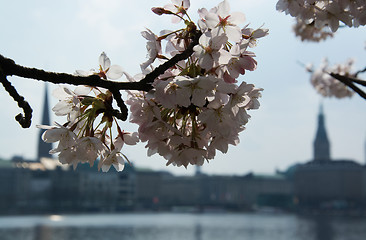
x: 179, y: 191
x: 328, y: 183
x: 98, y: 191
x: 271, y: 190
x: 14, y: 189
x: 148, y: 185
x: 126, y: 188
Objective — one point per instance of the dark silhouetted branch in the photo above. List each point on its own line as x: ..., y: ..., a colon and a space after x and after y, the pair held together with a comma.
x: 10, y: 68
x: 26, y: 120
x: 349, y: 81
x: 179, y: 57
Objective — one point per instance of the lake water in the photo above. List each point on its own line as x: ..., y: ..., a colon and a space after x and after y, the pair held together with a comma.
x: 173, y: 226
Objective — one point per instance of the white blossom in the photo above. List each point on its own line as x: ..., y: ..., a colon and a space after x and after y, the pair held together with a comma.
x: 114, y: 158
x: 178, y: 7
x: 153, y: 47
x: 328, y: 86
x: 106, y: 70
x: 222, y: 21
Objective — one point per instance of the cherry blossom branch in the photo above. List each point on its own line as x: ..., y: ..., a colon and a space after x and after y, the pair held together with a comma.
x: 195, y: 107
x: 10, y: 68
x: 174, y: 60
x: 349, y: 82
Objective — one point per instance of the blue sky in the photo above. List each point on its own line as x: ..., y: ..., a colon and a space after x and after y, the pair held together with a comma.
x: 63, y: 36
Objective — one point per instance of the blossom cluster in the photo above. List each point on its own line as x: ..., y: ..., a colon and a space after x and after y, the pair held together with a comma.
x: 87, y: 134
x: 194, y: 108
x: 314, y: 16
x: 187, y: 119
x: 328, y: 86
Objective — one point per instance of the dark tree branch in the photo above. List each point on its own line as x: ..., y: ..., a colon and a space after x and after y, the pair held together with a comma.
x: 349, y: 82
x: 359, y: 81
x: 9, y: 68
x: 121, y: 104
x: 26, y: 120
x: 179, y: 57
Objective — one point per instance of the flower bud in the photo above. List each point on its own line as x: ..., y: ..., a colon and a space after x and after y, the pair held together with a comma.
x: 160, y: 11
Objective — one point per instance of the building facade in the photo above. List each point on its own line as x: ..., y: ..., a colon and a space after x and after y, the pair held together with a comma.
x: 325, y: 183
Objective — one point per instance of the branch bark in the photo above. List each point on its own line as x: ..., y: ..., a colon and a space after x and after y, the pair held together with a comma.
x: 26, y: 120
x: 9, y: 68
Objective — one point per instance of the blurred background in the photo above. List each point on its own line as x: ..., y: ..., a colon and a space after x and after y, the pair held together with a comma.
x: 277, y: 178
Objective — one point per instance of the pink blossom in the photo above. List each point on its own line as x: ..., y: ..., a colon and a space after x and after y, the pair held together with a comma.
x: 222, y: 21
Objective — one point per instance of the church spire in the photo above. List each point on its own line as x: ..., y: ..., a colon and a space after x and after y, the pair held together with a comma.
x: 44, y: 148
x: 321, y: 142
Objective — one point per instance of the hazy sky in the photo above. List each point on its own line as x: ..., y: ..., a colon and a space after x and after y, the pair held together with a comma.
x: 67, y: 35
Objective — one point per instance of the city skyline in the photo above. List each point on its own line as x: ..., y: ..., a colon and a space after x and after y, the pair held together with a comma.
x: 279, y: 134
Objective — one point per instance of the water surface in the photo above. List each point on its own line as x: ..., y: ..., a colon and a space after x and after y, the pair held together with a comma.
x: 173, y: 226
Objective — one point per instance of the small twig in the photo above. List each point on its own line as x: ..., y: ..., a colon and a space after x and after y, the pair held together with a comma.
x: 361, y: 71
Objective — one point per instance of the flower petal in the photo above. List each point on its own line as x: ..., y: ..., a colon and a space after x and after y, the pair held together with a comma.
x: 104, y: 61
x: 115, y: 72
